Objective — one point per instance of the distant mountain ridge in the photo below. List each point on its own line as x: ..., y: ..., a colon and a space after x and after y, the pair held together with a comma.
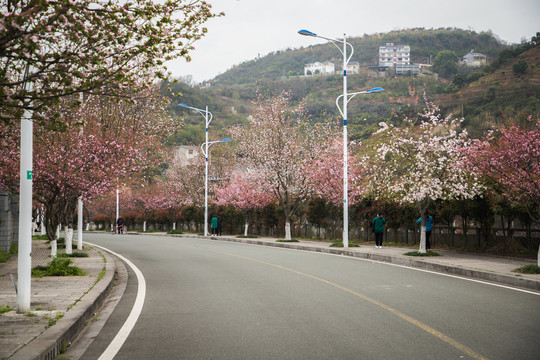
x: 425, y: 44
x: 486, y: 97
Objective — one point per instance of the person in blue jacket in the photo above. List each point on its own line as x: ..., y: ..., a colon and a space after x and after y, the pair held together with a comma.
x: 429, y: 228
x: 214, y: 224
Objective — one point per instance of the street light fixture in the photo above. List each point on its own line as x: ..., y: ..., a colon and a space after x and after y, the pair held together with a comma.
x: 204, y: 147
x: 343, y: 110
x: 205, y: 152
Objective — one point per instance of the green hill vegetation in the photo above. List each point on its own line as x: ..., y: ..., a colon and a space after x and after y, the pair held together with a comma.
x: 425, y: 44
x: 510, y: 92
x: 505, y: 90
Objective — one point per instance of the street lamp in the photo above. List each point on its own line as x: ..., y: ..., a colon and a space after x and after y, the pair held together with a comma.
x: 205, y: 152
x: 24, y: 268
x: 208, y: 118
x: 343, y: 110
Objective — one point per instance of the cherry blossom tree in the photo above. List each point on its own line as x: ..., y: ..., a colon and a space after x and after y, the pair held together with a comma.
x: 419, y: 164
x: 510, y: 160
x: 246, y: 191
x: 147, y: 200
x: 186, y: 179
x: 280, y: 144
x: 116, y: 142
x: 327, y: 174
x: 64, y: 47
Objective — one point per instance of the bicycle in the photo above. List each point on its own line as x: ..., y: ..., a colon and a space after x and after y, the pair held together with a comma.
x: 120, y: 229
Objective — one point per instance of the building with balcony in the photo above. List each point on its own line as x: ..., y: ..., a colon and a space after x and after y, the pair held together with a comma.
x: 391, y: 55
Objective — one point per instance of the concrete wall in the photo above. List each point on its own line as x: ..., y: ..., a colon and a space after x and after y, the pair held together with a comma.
x: 9, y: 229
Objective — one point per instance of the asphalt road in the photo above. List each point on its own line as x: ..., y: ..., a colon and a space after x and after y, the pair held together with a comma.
x: 208, y: 299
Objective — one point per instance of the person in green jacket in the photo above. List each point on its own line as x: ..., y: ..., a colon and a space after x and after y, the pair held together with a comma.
x: 378, y: 229
x: 214, y: 224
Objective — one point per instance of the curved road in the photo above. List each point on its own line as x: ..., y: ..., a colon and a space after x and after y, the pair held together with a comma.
x: 208, y: 299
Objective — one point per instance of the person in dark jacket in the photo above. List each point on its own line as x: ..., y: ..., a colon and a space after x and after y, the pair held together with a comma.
x: 219, y: 223
x: 378, y: 229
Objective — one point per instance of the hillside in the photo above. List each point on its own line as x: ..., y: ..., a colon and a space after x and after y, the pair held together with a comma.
x: 425, y: 44
x: 503, y: 94
x: 485, y: 96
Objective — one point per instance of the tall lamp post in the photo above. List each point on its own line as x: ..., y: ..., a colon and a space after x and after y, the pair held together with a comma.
x: 208, y: 118
x: 205, y: 148
x: 25, y: 213
x: 343, y: 110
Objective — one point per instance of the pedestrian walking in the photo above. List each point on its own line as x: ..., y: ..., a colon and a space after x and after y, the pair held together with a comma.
x: 378, y: 229
x: 214, y: 224
x: 429, y: 228
x: 219, y: 224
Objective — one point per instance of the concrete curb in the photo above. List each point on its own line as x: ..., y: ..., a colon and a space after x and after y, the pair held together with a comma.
x: 49, y: 344
x: 398, y: 260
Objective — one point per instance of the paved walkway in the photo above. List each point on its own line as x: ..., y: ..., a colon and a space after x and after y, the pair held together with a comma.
x: 59, y: 305
x: 62, y: 305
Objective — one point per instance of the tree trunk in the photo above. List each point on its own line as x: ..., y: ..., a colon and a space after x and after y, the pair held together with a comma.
x: 42, y: 215
x: 52, y: 226
x: 422, y: 248
x: 69, y: 240
x: 54, y: 248
x: 287, y: 229
x: 246, y: 226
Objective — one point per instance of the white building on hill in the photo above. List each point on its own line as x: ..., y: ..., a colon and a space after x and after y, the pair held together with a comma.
x: 475, y: 59
x: 353, y: 67
x: 391, y: 55
x: 185, y: 154
x: 318, y: 68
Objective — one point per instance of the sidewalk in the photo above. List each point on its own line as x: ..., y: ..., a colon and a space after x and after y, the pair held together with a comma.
x: 75, y: 300
x: 59, y: 307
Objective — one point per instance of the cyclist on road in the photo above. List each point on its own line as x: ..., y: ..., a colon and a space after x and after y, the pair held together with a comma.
x: 119, y: 225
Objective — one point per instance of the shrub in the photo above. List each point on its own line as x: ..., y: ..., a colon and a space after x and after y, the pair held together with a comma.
x: 416, y: 253
x: 528, y: 269
x: 74, y: 254
x: 161, y: 217
x: 339, y: 243
x: 175, y: 232
x: 132, y: 217
x: 520, y: 67
x: 102, y: 219
x: 58, y: 267
x: 3, y: 256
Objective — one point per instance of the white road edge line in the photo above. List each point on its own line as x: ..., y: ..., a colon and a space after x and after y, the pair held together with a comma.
x: 125, y: 330
x: 406, y: 267
x: 458, y: 277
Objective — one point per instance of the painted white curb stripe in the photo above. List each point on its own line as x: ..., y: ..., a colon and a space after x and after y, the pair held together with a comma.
x: 463, y: 277
x: 125, y: 330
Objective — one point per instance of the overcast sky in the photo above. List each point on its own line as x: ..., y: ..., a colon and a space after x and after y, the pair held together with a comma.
x: 257, y: 27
